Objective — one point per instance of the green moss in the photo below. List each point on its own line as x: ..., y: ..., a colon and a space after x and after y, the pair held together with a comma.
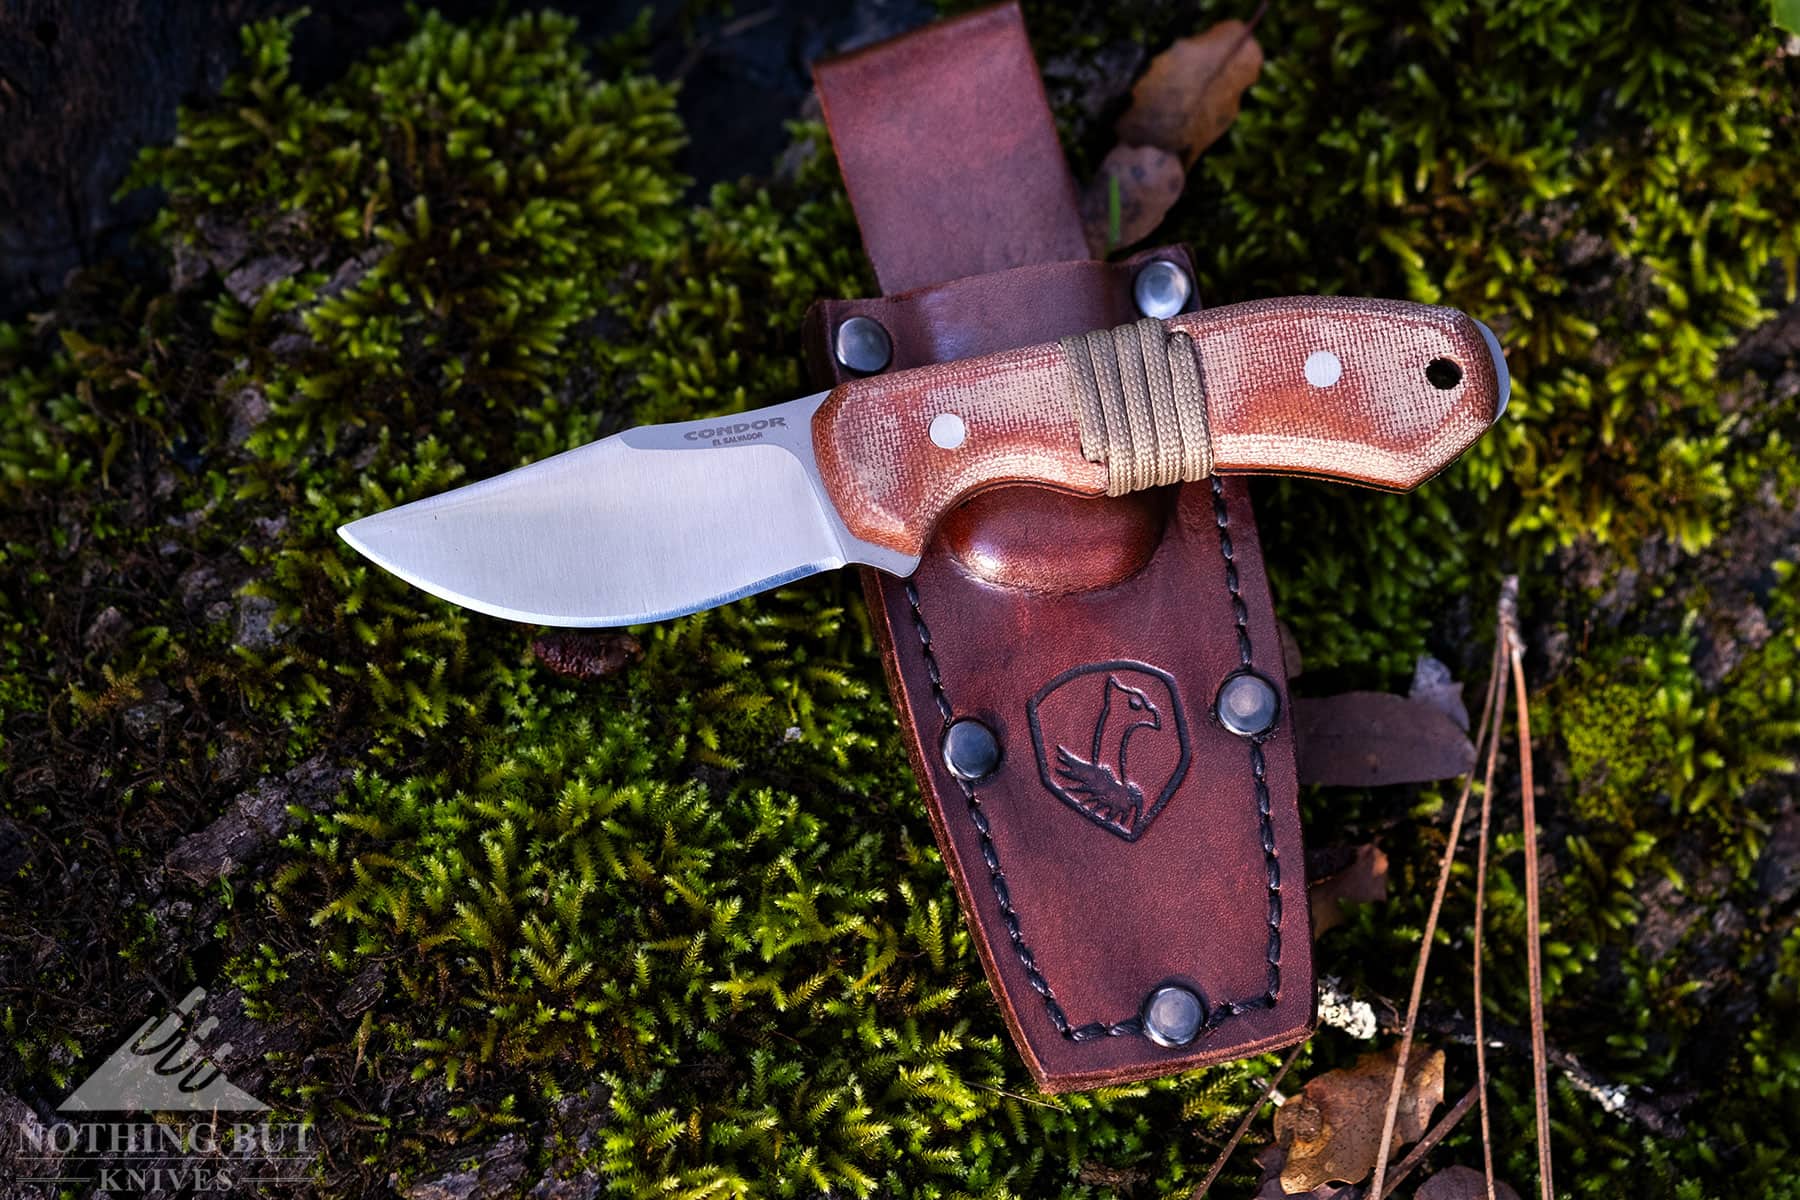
x: 1644, y: 736
x: 708, y: 882
x: 41, y: 413
x: 1617, y: 748
x: 474, y: 196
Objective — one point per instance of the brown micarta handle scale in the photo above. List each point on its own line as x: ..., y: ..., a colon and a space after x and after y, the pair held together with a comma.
x: 1382, y: 393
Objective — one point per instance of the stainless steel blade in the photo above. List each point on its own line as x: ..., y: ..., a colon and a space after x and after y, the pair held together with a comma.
x: 652, y: 523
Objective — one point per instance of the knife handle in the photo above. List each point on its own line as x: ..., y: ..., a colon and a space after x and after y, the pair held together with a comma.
x: 1382, y: 393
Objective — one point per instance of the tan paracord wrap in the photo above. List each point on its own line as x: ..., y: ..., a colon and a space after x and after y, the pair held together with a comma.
x: 1137, y: 396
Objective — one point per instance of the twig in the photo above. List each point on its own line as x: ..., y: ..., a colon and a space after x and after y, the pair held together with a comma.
x: 1481, y: 872
x: 1488, y: 726
x: 1039, y: 1101
x: 1534, y: 967
x: 1426, y: 1144
x: 1615, y: 1098
x: 1244, y: 1125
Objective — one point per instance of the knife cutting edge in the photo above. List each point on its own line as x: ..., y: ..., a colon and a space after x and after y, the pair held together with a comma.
x: 665, y: 520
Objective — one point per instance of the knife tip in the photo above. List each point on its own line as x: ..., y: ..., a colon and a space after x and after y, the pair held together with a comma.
x: 347, y: 532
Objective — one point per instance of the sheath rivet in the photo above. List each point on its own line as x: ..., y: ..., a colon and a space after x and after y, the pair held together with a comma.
x: 1161, y: 289
x: 1173, y: 1016
x: 971, y: 750
x: 862, y: 345
x: 1247, y: 704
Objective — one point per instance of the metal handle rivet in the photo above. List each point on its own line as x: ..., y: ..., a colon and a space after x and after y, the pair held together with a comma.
x: 1323, y: 368
x: 862, y: 345
x: 1248, y: 705
x: 948, y: 431
x: 971, y: 750
x: 1173, y: 1016
x: 1161, y: 289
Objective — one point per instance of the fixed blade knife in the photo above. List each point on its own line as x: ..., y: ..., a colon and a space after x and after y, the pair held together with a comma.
x: 665, y: 520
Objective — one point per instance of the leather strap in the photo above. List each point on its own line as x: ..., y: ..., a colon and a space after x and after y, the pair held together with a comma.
x: 987, y: 187
x: 1127, y: 840
x: 932, y: 324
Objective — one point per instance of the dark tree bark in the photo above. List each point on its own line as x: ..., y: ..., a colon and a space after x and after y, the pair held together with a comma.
x: 85, y: 83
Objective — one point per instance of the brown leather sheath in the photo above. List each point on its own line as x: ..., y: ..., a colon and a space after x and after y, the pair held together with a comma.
x: 1127, y: 841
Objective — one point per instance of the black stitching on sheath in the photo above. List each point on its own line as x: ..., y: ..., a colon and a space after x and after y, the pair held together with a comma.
x: 989, y: 853
x: 1219, y: 1013
x: 1258, y: 765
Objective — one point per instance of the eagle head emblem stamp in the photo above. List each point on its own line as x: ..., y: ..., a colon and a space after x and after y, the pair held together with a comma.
x: 1112, y: 742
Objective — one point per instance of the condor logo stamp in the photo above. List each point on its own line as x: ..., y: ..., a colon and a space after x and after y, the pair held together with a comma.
x: 742, y: 431
x: 1112, y: 742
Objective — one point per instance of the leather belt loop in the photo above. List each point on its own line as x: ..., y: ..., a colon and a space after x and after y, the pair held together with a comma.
x: 949, y: 154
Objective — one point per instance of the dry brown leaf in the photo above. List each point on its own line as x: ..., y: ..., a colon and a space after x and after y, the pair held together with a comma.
x: 1363, y: 880
x: 1148, y: 182
x: 1271, y: 1159
x: 1461, y: 1183
x: 1184, y: 103
x: 1369, y: 739
x: 1189, y: 97
x: 1433, y: 684
x: 1332, y: 1129
x: 585, y: 653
